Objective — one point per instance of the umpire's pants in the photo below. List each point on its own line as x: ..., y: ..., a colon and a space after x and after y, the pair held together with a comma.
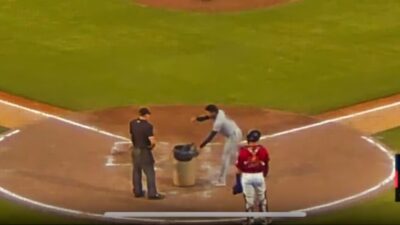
x: 143, y: 160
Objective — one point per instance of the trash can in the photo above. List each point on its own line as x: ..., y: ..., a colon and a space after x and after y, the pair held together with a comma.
x: 185, y: 166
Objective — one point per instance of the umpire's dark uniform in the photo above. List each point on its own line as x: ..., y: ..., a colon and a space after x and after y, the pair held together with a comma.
x: 141, y: 130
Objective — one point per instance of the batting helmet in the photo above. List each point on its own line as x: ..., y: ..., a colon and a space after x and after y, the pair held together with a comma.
x: 253, y: 136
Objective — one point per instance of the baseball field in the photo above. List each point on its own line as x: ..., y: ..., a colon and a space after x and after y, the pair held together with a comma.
x: 379, y: 210
x: 319, y: 78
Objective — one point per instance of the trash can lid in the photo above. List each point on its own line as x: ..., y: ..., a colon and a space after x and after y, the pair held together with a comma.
x: 185, y: 152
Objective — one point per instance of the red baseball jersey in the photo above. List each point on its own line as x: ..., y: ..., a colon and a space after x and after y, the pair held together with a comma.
x: 253, y: 159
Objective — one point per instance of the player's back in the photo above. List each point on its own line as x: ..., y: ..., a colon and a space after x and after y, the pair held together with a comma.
x: 225, y: 125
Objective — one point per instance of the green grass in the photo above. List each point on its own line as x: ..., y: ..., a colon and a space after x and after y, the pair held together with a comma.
x: 380, y: 210
x: 11, y: 213
x: 310, y: 56
x: 3, y: 129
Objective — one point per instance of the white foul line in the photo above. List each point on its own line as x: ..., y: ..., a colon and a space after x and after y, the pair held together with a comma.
x: 370, y: 140
x: 341, y: 118
x: 67, y: 121
x: 8, y: 134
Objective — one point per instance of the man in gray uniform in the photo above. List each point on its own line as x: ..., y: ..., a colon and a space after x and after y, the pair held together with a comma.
x: 143, y: 161
x: 228, y: 128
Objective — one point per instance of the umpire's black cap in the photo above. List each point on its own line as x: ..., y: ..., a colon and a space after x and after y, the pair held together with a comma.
x: 144, y: 111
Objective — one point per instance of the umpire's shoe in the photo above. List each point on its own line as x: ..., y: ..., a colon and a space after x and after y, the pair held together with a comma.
x: 156, y: 197
x: 139, y: 195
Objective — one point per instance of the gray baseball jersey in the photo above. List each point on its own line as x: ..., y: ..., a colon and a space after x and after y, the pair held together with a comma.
x: 224, y: 125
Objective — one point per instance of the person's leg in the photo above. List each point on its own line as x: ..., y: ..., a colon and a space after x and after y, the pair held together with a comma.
x: 150, y: 173
x: 137, y: 181
x: 249, y: 195
x: 229, y: 155
x: 261, y: 194
x: 137, y: 173
x: 234, y: 148
x: 225, y: 161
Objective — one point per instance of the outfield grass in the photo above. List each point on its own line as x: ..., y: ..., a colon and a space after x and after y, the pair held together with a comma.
x: 380, y: 210
x: 309, y: 56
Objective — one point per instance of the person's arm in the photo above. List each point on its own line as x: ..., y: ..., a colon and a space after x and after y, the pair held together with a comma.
x: 152, y: 139
x: 208, y: 139
x: 266, y: 161
x: 239, y: 163
x: 152, y: 142
x: 201, y: 118
x: 266, y: 170
x: 131, y: 132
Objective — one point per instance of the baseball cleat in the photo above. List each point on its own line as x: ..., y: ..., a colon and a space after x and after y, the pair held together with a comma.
x: 219, y: 183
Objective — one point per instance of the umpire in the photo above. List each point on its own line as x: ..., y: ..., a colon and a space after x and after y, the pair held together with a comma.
x: 143, y: 143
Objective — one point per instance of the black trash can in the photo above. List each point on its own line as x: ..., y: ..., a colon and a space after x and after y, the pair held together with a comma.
x: 185, y: 165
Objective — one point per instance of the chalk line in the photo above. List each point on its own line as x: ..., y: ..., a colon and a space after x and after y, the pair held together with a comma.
x: 341, y: 118
x: 8, y: 134
x: 368, y: 191
x: 67, y: 121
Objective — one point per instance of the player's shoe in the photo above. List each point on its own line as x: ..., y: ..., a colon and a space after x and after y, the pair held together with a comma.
x: 219, y: 183
x: 156, y: 197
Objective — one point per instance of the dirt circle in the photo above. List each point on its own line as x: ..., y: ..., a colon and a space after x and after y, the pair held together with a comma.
x: 211, y: 5
x: 61, y: 164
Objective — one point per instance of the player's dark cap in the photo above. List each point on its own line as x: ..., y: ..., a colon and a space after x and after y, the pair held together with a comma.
x: 144, y: 111
x: 253, y: 136
x: 212, y: 108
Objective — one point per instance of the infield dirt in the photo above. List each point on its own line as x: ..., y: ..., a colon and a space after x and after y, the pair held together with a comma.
x: 66, y: 165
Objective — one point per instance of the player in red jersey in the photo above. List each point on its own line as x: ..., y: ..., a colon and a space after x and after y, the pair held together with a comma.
x: 253, y: 164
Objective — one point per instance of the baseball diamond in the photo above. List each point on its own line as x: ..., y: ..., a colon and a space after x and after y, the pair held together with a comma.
x: 79, y: 184
x: 199, y: 111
